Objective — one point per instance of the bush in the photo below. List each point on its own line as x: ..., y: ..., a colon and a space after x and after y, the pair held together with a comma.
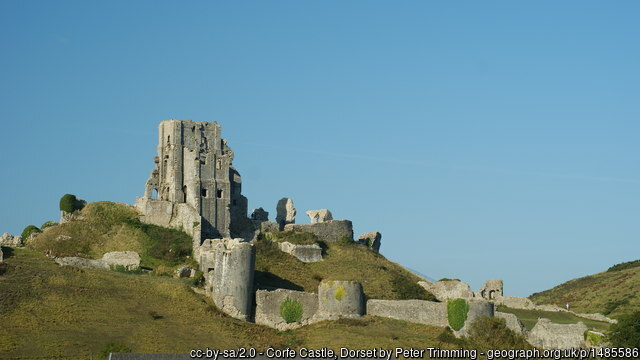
x: 447, y: 336
x: 626, y: 333
x: 457, y: 310
x: 198, y: 279
x: 624, y: 266
x: 291, y: 310
x: 47, y: 224
x: 28, y: 231
x: 593, y: 338
x: 339, y: 293
x: 487, y: 333
x: 112, y: 347
x: 68, y: 203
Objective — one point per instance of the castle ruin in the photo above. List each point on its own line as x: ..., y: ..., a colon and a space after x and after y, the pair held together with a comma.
x: 194, y: 185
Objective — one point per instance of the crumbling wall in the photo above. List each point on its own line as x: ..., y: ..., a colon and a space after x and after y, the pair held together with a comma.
x: 232, y: 283
x: 178, y: 216
x: 512, y: 322
x: 328, y: 231
x: 340, y: 299
x: 448, y: 289
x: 371, y: 239
x: 477, y: 308
x: 492, y: 289
x: 416, y: 311
x: 269, y: 305
x: 549, y: 335
x: 304, y: 253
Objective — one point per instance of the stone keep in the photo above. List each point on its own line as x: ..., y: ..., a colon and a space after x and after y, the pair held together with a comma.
x: 492, y: 289
x: 194, y: 167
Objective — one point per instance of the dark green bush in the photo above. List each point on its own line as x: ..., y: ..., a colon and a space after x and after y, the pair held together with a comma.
x: 487, y: 333
x: 112, y: 347
x: 198, y: 279
x: 68, y: 203
x: 457, y: 310
x: 626, y: 333
x: 291, y: 310
x: 30, y: 229
x: 624, y: 266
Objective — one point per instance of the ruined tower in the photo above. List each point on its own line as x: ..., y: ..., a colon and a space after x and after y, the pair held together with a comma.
x: 194, y: 185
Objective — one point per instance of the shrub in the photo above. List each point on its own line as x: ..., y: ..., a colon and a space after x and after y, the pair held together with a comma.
x: 339, y: 293
x: 28, y: 231
x: 447, y: 279
x: 198, y: 279
x: 626, y: 333
x: 594, y: 338
x: 487, y: 333
x: 624, y: 266
x: 407, y: 289
x: 68, y: 203
x: 346, y: 240
x: 457, y: 310
x: 124, y: 270
x: 47, y: 224
x: 447, y: 336
x: 112, y: 347
x: 291, y: 310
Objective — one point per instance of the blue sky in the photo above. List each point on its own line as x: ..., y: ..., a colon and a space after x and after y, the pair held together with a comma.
x: 492, y: 139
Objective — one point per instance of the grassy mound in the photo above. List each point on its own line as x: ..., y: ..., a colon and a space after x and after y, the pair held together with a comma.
x: 529, y: 318
x: 107, y: 226
x: 612, y: 293
x: 380, y: 278
x: 49, y: 311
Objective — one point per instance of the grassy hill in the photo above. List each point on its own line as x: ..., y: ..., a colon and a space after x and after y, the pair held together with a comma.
x: 380, y: 278
x: 613, y: 293
x: 48, y: 311
x: 107, y: 226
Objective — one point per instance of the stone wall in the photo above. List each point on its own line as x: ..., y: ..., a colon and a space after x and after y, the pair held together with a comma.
x: 328, y: 231
x: 549, y: 335
x: 448, y: 289
x: 512, y: 322
x: 340, y: 299
x: 9, y: 240
x: 232, y: 283
x: 304, y: 253
x: 174, y: 215
x: 477, y: 308
x: 129, y: 259
x: 417, y: 311
x: 268, y: 305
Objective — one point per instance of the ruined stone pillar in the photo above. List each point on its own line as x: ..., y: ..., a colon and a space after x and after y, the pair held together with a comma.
x: 340, y: 299
x: 233, y: 277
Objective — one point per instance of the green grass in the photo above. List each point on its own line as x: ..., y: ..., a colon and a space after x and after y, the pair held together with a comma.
x: 380, y: 278
x: 612, y: 293
x: 49, y: 311
x: 107, y: 226
x: 529, y: 318
x: 297, y: 238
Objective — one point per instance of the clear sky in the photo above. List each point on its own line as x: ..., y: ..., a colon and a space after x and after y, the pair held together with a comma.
x: 483, y: 139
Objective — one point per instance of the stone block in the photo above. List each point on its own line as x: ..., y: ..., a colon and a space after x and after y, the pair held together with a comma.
x: 319, y: 216
x: 416, y: 311
x: 329, y: 231
x: 340, y: 299
x: 304, y: 253
x: 268, y: 306
x: 371, y: 239
x: 448, y: 289
x: 548, y: 335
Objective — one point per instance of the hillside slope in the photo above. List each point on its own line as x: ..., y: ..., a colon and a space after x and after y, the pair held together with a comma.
x: 48, y: 311
x: 612, y: 293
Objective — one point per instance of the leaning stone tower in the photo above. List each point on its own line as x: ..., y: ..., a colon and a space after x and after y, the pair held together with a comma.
x: 194, y: 185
